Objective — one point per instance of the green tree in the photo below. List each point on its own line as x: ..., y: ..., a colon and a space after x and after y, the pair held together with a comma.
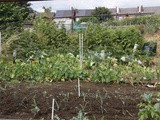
x: 46, y: 15
x: 102, y: 14
x: 13, y: 15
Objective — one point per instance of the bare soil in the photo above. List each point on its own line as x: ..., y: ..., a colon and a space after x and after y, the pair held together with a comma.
x: 34, y: 100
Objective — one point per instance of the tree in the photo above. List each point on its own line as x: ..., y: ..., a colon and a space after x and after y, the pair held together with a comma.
x: 47, y: 13
x: 13, y: 15
x: 102, y: 14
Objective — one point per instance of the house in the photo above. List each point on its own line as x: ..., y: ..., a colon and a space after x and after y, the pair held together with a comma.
x: 61, y: 16
x: 67, y: 17
x: 132, y: 12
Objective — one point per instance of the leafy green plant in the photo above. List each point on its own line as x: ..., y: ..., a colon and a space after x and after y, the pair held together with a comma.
x: 66, y: 67
x: 106, y: 74
x: 101, y: 99
x: 65, y: 96
x: 45, y: 37
x: 35, y: 109
x: 150, y: 108
x: 56, y: 117
x: 83, y: 106
x: 80, y: 116
x: 84, y: 96
x: 118, y: 41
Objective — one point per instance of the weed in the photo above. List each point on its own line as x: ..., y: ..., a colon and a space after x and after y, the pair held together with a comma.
x: 56, y: 117
x: 15, y: 95
x: 65, y: 96
x: 44, y: 93
x: 123, y: 105
x: 24, y: 102
x: 83, y: 106
x: 2, y: 89
x: 80, y: 116
x: 84, y: 96
x: 101, y: 98
x: 57, y: 106
x: 102, y: 118
x: 35, y: 108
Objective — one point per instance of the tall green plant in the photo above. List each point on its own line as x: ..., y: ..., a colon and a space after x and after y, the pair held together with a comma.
x: 44, y: 37
x: 118, y: 41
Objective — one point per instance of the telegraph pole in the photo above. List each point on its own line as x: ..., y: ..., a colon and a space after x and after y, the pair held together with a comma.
x: 73, y: 17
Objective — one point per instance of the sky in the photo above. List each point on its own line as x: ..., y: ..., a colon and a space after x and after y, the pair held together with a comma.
x: 91, y: 4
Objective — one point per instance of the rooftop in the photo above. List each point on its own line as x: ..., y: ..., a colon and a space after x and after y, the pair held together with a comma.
x: 114, y: 11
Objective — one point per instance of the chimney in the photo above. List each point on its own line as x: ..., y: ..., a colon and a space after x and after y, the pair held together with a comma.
x: 140, y: 9
x: 117, y: 10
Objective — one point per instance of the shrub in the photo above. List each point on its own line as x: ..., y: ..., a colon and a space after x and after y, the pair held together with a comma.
x: 118, y: 41
x: 44, y: 37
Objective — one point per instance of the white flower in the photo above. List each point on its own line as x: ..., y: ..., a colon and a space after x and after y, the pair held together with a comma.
x: 23, y: 64
x: 139, y: 62
x: 70, y: 54
x: 123, y: 58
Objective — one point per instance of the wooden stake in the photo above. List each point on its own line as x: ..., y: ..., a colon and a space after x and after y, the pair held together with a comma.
x: 52, y: 118
x: 79, y: 91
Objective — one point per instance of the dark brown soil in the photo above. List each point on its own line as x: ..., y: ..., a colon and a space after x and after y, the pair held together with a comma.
x: 111, y: 101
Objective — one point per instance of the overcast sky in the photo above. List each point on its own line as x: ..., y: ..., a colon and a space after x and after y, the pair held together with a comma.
x: 91, y: 4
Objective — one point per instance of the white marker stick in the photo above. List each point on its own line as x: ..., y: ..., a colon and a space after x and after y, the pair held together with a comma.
x: 52, y: 109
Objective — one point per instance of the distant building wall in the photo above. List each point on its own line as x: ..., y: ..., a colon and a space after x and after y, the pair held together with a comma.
x: 117, y: 12
x: 65, y: 21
